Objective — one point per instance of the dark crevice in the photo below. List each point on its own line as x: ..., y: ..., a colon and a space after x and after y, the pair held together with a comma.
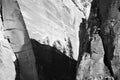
x: 17, y: 68
x: 83, y: 38
x: 119, y: 9
x: 52, y: 64
x: 108, y: 56
x: 1, y: 12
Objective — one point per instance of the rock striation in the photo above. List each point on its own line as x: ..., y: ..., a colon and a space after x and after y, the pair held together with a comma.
x: 53, y: 20
x: 68, y: 39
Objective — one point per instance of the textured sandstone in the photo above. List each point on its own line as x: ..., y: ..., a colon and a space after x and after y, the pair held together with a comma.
x: 56, y: 20
x: 7, y: 58
x: 57, y: 23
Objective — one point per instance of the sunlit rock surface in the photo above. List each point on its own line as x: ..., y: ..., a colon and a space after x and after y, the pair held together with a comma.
x: 7, y: 68
x: 7, y: 58
x: 92, y: 67
x: 53, y: 20
x: 56, y: 23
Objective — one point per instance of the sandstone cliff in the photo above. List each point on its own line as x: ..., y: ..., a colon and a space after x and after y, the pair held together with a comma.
x: 71, y: 39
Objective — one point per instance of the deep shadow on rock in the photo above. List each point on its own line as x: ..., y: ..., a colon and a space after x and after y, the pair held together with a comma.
x: 52, y: 64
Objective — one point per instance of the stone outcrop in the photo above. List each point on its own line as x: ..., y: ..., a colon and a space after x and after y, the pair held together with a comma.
x: 7, y: 58
x: 65, y: 35
x: 104, y: 48
x: 15, y: 32
x: 110, y: 34
x: 57, y: 20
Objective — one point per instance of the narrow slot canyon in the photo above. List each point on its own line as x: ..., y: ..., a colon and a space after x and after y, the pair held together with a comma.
x: 59, y: 40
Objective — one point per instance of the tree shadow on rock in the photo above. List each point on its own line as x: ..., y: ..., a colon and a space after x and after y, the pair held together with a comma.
x: 52, y: 64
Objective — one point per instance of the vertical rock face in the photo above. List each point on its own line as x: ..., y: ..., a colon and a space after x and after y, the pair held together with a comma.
x: 110, y: 35
x: 84, y: 30
x: 15, y: 31
x: 102, y: 31
x: 7, y: 58
x: 54, y: 21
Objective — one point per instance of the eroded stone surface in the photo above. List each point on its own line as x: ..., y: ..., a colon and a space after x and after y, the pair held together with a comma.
x: 7, y: 58
x: 56, y: 19
x: 92, y: 66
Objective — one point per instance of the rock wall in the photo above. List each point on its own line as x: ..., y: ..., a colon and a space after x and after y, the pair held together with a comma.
x: 54, y: 21
x: 109, y: 33
x: 99, y: 50
x: 7, y: 58
x: 84, y: 30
